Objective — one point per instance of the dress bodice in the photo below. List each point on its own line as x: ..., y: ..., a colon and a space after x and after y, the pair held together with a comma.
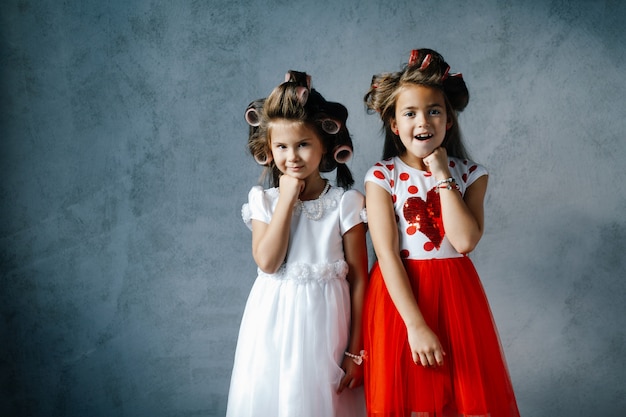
x: 312, y: 240
x: 417, y: 205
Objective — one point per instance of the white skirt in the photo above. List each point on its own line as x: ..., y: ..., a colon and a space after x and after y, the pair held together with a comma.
x: 292, y: 339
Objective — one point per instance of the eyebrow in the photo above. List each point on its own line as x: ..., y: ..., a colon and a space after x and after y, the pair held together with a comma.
x: 297, y: 143
x: 427, y: 107
x: 433, y: 104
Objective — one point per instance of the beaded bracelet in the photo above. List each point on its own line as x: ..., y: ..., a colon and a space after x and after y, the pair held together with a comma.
x: 446, y: 181
x: 447, y: 184
x: 358, y: 359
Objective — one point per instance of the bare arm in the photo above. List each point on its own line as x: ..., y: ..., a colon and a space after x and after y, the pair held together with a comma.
x: 425, y: 346
x: 270, y: 241
x: 355, y: 251
x: 463, y: 217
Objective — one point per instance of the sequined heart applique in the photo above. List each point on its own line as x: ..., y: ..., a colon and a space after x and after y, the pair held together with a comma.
x: 425, y: 216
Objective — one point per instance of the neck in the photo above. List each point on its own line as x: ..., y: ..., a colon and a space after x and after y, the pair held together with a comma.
x: 413, y: 161
x: 313, y: 188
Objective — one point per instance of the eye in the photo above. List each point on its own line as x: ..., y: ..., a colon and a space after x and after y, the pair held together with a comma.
x: 409, y: 114
x: 434, y: 112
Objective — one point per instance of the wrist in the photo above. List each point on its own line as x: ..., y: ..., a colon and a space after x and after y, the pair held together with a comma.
x: 442, y: 174
x: 358, y: 359
x: 415, y: 324
x: 287, y: 198
x: 447, y: 184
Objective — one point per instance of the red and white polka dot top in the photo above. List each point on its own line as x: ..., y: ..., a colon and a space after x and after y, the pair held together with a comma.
x: 417, y: 206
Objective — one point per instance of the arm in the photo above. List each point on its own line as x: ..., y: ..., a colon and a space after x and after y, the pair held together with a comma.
x: 463, y: 217
x: 425, y: 346
x: 270, y: 241
x: 355, y: 250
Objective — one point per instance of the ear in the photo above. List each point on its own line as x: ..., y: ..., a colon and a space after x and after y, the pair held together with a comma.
x: 449, y: 123
x: 393, y: 125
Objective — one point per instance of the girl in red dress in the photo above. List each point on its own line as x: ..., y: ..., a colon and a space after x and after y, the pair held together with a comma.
x: 432, y: 345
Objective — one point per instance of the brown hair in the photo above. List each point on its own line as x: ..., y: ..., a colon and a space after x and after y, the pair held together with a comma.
x: 426, y: 67
x: 295, y: 100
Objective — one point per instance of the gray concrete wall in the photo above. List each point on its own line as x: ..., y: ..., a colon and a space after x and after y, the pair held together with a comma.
x: 124, y: 262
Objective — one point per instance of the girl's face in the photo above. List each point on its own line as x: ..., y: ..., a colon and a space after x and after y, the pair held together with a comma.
x: 296, y: 148
x: 421, y: 121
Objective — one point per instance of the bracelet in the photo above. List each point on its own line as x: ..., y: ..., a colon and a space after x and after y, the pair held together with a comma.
x: 448, y: 184
x: 446, y: 181
x: 358, y: 359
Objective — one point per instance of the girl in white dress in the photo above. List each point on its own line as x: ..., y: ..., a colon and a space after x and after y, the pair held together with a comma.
x: 299, y: 349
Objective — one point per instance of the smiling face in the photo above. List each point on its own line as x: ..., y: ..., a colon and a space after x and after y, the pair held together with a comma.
x: 421, y: 122
x: 296, y: 148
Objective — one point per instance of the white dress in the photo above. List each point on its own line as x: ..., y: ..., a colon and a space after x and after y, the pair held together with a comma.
x: 296, y: 322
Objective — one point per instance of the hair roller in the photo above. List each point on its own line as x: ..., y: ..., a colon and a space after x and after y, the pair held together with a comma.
x: 342, y: 154
x: 445, y: 74
x: 264, y: 162
x: 253, y: 117
x: 253, y: 112
x: 298, y: 77
x: 331, y: 126
x: 426, y: 61
x: 303, y: 94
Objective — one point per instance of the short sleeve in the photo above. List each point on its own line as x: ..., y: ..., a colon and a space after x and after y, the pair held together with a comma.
x: 257, y: 207
x: 380, y: 175
x: 351, y: 210
x: 474, y: 171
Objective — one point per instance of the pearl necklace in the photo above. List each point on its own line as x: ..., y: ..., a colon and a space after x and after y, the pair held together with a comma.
x: 318, y: 211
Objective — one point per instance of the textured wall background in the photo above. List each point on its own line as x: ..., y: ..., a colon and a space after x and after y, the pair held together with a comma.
x: 124, y: 262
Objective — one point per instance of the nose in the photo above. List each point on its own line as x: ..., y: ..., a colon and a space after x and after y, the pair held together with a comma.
x: 292, y: 154
x: 421, y: 119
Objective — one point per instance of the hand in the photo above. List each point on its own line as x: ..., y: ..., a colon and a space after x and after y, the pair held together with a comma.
x: 425, y: 347
x: 353, y: 377
x: 437, y: 162
x: 290, y: 187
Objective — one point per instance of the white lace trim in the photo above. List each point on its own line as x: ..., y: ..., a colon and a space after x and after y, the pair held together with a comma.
x: 328, y: 201
x: 246, y: 214
x: 363, y: 214
x: 302, y: 272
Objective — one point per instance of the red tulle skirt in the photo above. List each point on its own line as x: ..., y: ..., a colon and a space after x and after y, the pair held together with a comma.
x: 474, y: 380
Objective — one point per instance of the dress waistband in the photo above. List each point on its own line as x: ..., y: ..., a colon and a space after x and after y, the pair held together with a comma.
x: 300, y: 271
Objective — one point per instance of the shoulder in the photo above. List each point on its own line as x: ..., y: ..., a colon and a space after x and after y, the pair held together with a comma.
x: 258, y: 193
x: 255, y: 191
x: 381, y: 169
x: 465, y: 164
x: 260, y: 204
x: 351, y: 195
x: 351, y: 208
x: 468, y: 171
x: 382, y: 173
x: 340, y: 197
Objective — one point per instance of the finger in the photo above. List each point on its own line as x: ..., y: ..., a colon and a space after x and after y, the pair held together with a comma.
x: 348, y: 383
x: 430, y: 359
x: 423, y: 359
x: 439, y: 357
x: 345, y: 381
x: 341, y: 386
